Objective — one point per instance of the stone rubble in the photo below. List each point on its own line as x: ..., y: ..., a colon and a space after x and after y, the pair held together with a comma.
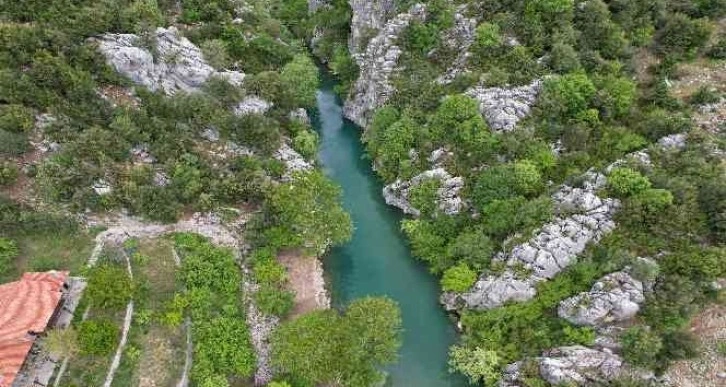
x: 504, y: 108
x: 615, y: 297
x: 177, y: 66
x: 449, y: 201
x: 377, y: 64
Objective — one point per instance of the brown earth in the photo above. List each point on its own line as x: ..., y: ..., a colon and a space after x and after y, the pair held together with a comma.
x: 305, y: 278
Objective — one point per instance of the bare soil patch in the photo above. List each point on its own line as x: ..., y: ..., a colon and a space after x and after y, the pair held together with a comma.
x: 305, y: 278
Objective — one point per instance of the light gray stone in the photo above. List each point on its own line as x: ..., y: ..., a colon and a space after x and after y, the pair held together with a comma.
x: 369, y: 16
x: 252, y: 105
x: 614, y: 298
x: 504, y: 108
x: 379, y: 61
x: 178, y: 66
x: 293, y: 161
x: 448, y: 195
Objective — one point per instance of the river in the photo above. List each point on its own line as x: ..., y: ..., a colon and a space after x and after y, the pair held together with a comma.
x: 377, y: 260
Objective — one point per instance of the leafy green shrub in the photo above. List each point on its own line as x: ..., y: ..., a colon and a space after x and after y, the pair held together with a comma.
x: 477, y: 364
x: 566, y: 96
x: 8, y: 251
x: 215, y: 53
x: 8, y: 173
x: 97, y: 337
x: 12, y: 144
x: 222, y: 347
x: 306, y: 143
x: 300, y: 81
x: 274, y: 300
x: 627, y: 182
x: 641, y: 346
x: 16, y: 118
x: 109, y: 287
x: 458, y: 278
x: 718, y: 50
x: 704, y: 95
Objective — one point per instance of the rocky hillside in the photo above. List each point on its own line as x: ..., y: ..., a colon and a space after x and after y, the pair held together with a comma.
x: 541, y: 149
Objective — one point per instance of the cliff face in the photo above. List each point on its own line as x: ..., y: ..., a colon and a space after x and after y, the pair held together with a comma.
x: 369, y: 17
x: 378, y: 62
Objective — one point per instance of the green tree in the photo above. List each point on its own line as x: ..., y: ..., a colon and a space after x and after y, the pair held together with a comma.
x: 479, y: 365
x: 625, y: 182
x: 300, y: 79
x: 307, y: 213
x: 215, y: 52
x: 566, y: 96
x: 325, y: 347
x: 682, y: 35
x: 97, y: 337
x: 472, y: 247
x: 458, y: 278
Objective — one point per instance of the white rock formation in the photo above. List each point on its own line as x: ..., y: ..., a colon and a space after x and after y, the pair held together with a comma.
x: 674, y: 141
x: 377, y: 64
x: 459, y: 38
x: 178, y: 66
x: 300, y: 115
x: 504, y: 108
x: 294, y: 162
x: 449, y: 202
x: 552, y: 249
x: 369, y: 16
x: 102, y: 187
x: 252, y: 105
x: 576, y: 365
x: 615, y: 297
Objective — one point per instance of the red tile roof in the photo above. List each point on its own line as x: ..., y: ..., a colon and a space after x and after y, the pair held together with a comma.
x: 25, y: 306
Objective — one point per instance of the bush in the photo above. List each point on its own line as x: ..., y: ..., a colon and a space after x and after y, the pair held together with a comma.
x: 641, y: 346
x: 97, y: 337
x: 8, y: 173
x: 704, y: 95
x: 109, y: 287
x: 273, y: 300
x: 12, y: 144
x: 566, y: 96
x: 718, y: 50
x: 625, y: 182
x: 683, y: 36
x: 215, y: 53
x: 8, y: 251
x: 16, y: 118
x: 458, y: 278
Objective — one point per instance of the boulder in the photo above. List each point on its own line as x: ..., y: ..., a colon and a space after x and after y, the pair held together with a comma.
x: 503, y: 108
x: 379, y: 61
x: 252, y: 105
x: 615, y: 297
x: 448, y: 199
x: 293, y: 161
x: 175, y: 64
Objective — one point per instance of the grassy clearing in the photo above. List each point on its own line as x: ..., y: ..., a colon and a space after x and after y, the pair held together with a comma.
x: 50, y: 251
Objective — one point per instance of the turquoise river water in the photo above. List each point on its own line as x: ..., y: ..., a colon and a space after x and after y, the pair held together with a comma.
x: 377, y: 260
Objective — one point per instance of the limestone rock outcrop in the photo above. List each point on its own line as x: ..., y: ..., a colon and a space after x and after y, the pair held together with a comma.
x: 615, y: 297
x: 252, y: 105
x: 294, y: 162
x: 459, y: 39
x: 449, y: 202
x: 174, y: 65
x: 553, y: 248
x: 369, y: 16
x: 504, y: 108
x: 377, y: 64
x: 576, y: 365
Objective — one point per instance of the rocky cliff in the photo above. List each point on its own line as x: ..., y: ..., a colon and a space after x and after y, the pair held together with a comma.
x: 377, y: 64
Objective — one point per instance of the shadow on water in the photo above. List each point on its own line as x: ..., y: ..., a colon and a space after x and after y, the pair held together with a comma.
x: 377, y: 260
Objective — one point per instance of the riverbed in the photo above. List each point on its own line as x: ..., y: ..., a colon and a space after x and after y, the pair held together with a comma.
x: 377, y: 260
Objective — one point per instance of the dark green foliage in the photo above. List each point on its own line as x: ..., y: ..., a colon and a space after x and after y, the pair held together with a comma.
x: 627, y: 182
x: 222, y: 348
x: 97, y: 337
x: 566, y: 96
x: 8, y: 173
x: 682, y: 35
x: 325, y: 347
x: 306, y: 213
